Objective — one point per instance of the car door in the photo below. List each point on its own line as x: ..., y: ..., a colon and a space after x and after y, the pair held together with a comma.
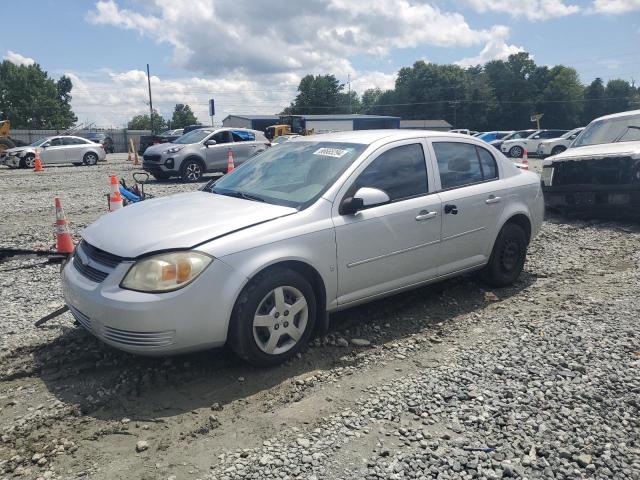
x: 243, y: 145
x: 216, y: 155
x: 75, y: 149
x: 54, y: 152
x: 386, y: 247
x: 472, y: 201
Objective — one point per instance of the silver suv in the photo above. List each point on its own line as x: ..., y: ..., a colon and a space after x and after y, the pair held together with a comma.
x: 202, y: 150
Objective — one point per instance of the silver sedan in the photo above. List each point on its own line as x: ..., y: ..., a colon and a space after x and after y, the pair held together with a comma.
x: 56, y: 150
x: 319, y: 224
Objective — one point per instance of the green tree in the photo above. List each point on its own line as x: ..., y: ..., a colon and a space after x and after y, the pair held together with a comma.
x: 30, y: 99
x: 561, y: 99
x: 619, y: 95
x: 141, y: 122
x: 182, y: 116
x: 594, y: 101
x: 318, y: 94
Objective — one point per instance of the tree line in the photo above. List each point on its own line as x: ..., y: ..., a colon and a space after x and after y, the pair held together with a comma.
x: 499, y: 95
x: 181, y: 117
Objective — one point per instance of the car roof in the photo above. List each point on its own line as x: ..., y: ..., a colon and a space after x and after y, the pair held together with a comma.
x: 370, y: 136
x: 620, y: 114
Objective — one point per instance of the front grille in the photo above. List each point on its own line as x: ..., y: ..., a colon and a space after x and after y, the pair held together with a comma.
x: 80, y: 317
x: 139, y: 339
x: 151, y: 158
x: 100, y: 256
x: 88, y: 271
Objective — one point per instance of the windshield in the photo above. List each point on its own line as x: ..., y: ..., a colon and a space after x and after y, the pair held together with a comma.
x: 570, y: 132
x: 37, y: 143
x: 294, y: 175
x: 194, y: 136
x: 610, y: 130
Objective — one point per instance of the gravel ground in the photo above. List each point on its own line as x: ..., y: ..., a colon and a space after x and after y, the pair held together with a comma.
x: 539, y: 380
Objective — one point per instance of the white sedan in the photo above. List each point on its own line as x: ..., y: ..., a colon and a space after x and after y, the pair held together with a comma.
x: 558, y: 145
x: 515, y: 148
x: 318, y: 224
x: 56, y: 150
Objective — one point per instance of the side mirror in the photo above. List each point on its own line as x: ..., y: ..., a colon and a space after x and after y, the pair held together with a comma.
x: 536, y: 137
x: 209, y: 143
x: 45, y: 145
x: 365, y: 197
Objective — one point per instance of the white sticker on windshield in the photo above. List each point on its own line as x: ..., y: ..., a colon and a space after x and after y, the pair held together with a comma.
x: 331, y: 152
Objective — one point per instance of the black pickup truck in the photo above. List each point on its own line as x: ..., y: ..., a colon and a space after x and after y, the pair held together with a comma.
x: 147, y: 140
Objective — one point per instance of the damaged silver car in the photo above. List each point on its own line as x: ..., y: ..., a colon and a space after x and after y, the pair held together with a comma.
x: 600, y: 173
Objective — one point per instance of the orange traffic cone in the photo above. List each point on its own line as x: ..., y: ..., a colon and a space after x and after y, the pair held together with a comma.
x: 115, y: 199
x: 230, y: 165
x: 64, y: 242
x: 525, y: 160
x: 37, y: 163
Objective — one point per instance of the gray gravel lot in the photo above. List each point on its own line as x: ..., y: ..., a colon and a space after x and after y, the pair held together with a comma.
x: 538, y: 380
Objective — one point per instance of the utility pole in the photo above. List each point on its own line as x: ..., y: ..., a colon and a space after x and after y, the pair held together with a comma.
x: 349, y: 83
x: 150, y: 102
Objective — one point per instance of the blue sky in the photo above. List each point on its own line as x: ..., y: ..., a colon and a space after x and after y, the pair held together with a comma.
x: 250, y: 54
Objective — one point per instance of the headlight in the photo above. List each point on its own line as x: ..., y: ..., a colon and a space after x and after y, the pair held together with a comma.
x: 173, y: 150
x: 166, y: 271
x: 20, y: 153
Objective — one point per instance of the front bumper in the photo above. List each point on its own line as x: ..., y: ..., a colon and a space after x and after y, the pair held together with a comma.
x: 193, y: 318
x: 11, y: 161
x: 160, y: 164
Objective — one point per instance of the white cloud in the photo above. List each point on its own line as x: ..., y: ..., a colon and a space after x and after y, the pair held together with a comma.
x: 614, y: 7
x: 222, y: 36
x: 496, y: 48
x: 18, y: 59
x: 530, y: 9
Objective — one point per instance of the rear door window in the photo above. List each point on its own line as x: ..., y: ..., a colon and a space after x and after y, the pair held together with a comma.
x: 461, y: 164
x: 243, y: 136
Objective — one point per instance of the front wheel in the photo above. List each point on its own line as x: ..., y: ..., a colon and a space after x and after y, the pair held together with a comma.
x: 191, y: 171
x: 516, y: 152
x: 28, y: 161
x: 273, y: 318
x: 507, y: 257
x: 90, y: 159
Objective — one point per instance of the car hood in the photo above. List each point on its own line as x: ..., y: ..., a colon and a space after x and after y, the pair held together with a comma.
x: 176, y: 222
x: 18, y: 149
x: 590, y: 152
x: 159, y: 147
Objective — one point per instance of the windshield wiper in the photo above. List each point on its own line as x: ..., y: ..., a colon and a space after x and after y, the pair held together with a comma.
x: 237, y: 194
x: 624, y: 132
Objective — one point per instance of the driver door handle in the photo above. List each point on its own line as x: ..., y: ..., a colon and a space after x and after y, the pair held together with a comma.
x: 426, y: 215
x: 492, y: 199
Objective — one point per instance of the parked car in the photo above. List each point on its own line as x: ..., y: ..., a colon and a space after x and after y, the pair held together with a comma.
x: 515, y: 148
x: 203, y: 150
x: 55, y: 150
x: 102, y: 138
x: 558, y: 145
x: 176, y: 132
x: 283, y: 139
x: 167, y: 136
x: 464, y: 131
x: 315, y: 225
x: 494, y: 135
x: 512, y: 136
x: 600, y: 173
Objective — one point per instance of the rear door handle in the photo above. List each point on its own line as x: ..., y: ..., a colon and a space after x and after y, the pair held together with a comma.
x: 426, y: 215
x: 492, y: 199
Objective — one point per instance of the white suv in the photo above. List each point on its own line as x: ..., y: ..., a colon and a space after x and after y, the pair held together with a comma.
x: 516, y: 148
x: 558, y: 145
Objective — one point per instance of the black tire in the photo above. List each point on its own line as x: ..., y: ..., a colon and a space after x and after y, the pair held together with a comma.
x: 507, y: 257
x: 242, y: 334
x: 90, y: 159
x: 516, y: 152
x: 28, y: 161
x: 160, y: 176
x: 558, y: 149
x: 191, y: 171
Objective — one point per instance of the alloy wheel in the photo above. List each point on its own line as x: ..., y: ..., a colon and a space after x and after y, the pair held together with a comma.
x: 280, y: 320
x: 516, y: 152
x: 193, y: 171
x: 91, y: 159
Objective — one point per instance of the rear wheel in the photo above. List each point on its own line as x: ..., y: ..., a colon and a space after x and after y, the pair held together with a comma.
x: 516, y: 152
x: 558, y: 149
x: 90, y: 159
x: 191, y: 171
x: 507, y: 257
x: 273, y: 318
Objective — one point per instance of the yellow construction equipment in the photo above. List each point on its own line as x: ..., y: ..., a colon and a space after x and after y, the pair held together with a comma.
x: 288, y: 124
x: 5, y: 141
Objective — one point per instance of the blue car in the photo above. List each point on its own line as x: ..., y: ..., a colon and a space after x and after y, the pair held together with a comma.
x: 491, y: 136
